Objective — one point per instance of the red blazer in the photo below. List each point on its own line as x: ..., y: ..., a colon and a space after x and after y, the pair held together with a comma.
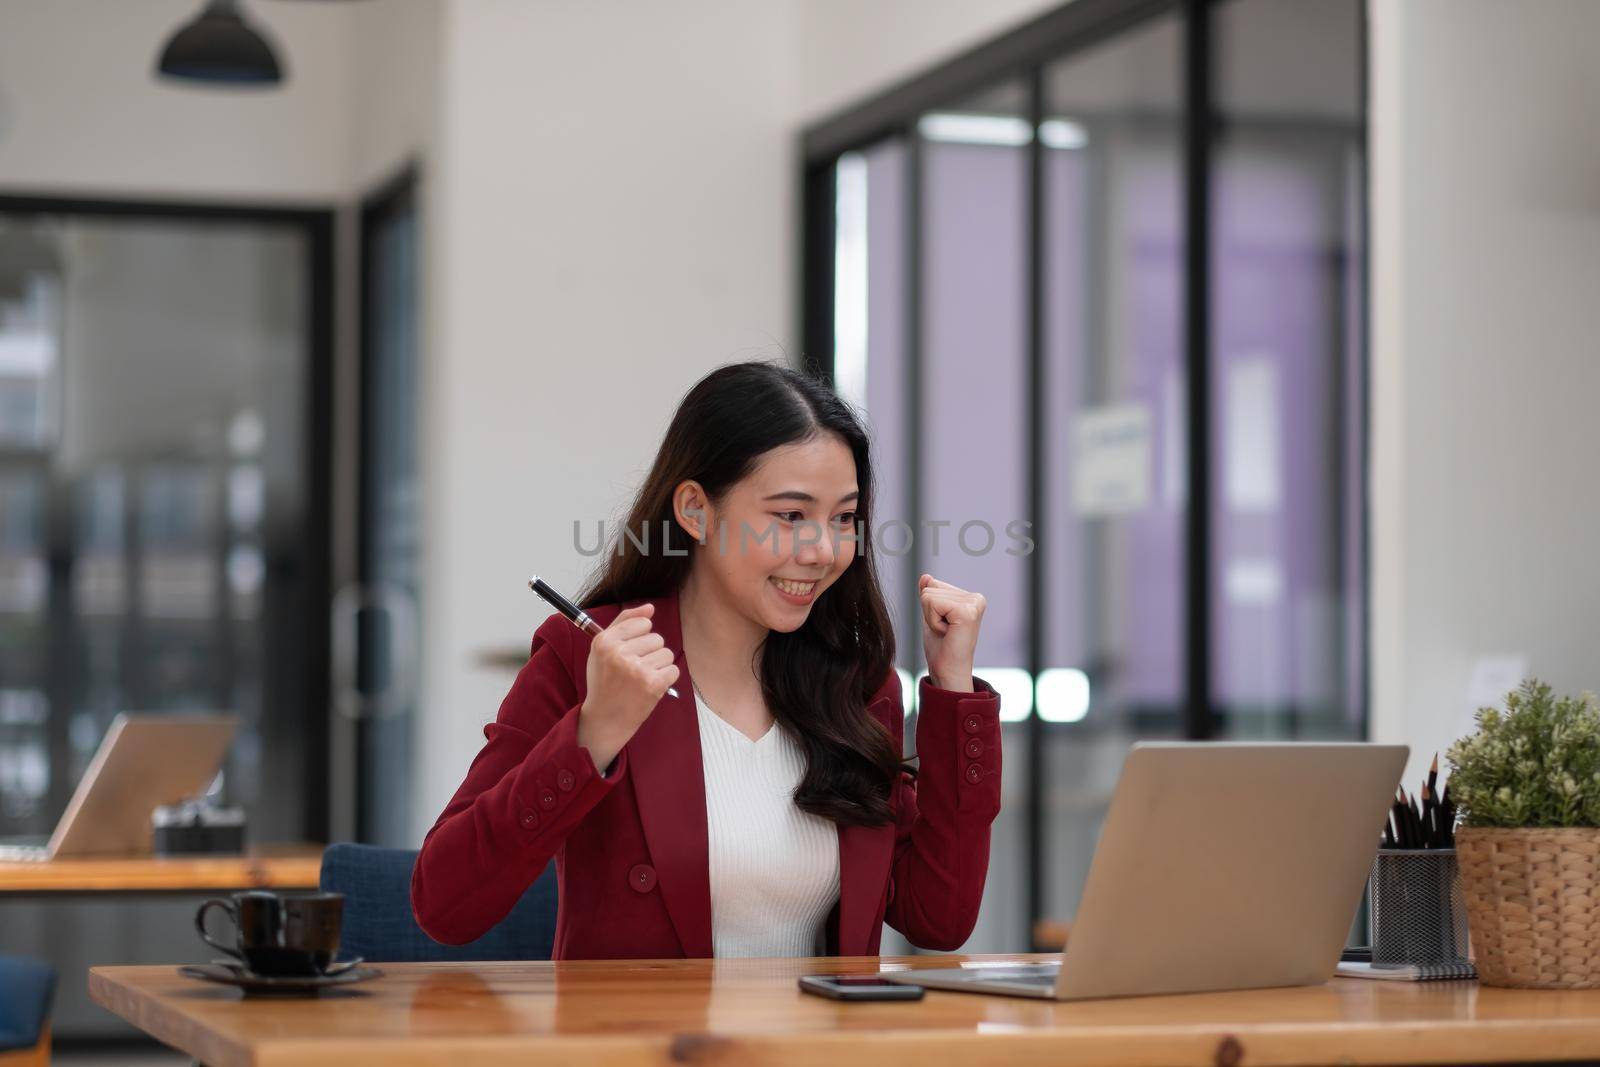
x: 630, y: 850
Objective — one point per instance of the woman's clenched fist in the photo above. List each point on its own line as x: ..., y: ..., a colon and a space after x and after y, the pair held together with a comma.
x: 629, y: 670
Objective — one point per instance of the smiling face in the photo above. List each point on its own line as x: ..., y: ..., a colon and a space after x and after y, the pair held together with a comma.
x: 782, y: 535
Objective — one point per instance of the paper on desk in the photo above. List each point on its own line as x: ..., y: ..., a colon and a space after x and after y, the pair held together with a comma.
x: 1443, y: 971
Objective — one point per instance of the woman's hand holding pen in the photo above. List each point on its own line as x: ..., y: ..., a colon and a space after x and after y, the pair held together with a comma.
x: 950, y: 620
x: 629, y: 670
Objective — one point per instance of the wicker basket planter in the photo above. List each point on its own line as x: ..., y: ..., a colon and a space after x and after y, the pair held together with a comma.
x: 1533, y: 905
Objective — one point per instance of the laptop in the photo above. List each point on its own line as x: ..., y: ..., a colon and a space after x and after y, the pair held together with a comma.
x: 1221, y: 866
x: 143, y: 762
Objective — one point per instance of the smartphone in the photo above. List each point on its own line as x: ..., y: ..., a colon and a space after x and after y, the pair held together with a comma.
x: 857, y: 987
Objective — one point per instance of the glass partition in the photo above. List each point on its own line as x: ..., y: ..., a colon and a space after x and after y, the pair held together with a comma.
x: 1105, y: 275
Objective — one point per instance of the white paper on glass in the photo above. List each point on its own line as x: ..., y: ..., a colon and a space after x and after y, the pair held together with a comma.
x: 1111, y: 460
x: 1252, y: 437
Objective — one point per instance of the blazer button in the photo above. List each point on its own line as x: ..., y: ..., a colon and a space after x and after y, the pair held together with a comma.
x: 547, y: 799
x: 974, y: 773
x: 974, y: 748
x: 972, y: 724
x: 530, y: 818
x: 565, y: 781
x: 641, y: 878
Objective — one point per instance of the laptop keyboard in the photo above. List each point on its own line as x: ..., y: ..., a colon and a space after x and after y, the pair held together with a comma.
x: 24, y: 853
x: 1042, y: 975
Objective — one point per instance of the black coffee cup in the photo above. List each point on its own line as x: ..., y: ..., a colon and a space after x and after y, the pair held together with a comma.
x: 279, y: 934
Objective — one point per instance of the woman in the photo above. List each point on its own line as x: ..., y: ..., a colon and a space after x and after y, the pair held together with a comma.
x: 765, y: 810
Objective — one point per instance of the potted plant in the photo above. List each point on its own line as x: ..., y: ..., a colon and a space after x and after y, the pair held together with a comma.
x: 1527, y: 784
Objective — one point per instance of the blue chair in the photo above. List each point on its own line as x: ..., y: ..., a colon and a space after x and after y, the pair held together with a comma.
x: 379, y: 926
x: 27, y: 988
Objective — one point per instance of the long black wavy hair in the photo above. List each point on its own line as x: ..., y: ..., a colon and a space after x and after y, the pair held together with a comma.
x: 817, y: 679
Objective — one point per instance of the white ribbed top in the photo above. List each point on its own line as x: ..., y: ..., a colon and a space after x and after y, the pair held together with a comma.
x: 774, y: 868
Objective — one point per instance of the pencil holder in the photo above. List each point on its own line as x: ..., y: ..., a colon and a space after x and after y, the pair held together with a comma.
x: 1419, y: 913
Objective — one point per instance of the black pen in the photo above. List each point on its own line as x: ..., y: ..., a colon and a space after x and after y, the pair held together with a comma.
x: 577, y: 615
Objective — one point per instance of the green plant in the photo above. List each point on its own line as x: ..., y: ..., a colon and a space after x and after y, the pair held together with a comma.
x: 1535, y: 764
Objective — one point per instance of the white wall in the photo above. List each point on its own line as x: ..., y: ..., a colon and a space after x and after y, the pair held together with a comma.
x: 82, y: 111
x: 1486, y: 364
x: 611, y: 221
x: 850, y: 49
x: 393, y: 88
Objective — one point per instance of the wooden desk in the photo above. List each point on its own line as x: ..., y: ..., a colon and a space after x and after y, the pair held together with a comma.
x: 749, y: 1012
x: 268, y: 867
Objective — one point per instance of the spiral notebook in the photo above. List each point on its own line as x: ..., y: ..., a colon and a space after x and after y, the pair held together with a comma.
x: 1430, y: 972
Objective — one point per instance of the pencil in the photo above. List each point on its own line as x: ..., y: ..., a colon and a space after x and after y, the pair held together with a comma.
x: 1430, y: 800
x: 1401, y: 822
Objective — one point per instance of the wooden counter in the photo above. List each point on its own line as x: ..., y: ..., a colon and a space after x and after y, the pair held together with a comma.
x: 269, y: 867
x: 749, y: 1012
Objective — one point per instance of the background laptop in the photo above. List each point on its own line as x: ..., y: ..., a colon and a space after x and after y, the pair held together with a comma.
x: 1221, y: 866
x: 143, y: 762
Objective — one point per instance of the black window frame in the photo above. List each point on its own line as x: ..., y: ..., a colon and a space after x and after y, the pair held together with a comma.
x: 398, y: 195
